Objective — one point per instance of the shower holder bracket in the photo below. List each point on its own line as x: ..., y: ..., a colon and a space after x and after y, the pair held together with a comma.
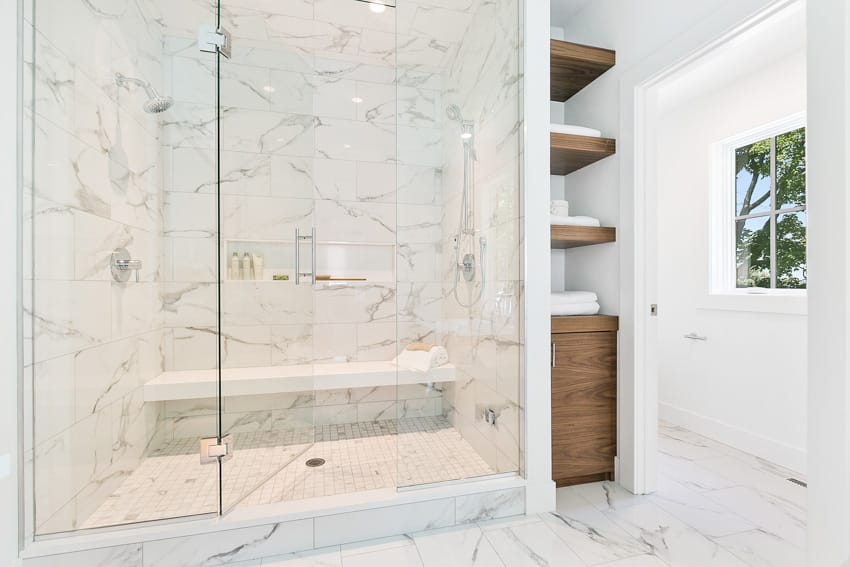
x: 214, y: 40
x: 214, y: 450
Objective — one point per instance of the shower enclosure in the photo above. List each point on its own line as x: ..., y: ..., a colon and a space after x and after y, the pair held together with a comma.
x: 240, y: 215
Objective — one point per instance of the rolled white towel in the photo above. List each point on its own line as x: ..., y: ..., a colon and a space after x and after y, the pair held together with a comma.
x: 574, y: 221
x: 575, y: 130
x: 422, y: 360
x: 575, y: 309
x: 565, y: 297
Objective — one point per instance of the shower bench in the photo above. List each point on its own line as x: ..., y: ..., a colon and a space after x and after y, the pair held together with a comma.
x: 197, y: 384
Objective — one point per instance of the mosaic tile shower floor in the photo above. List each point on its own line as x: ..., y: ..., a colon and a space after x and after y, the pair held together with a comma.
x: 269, y: 467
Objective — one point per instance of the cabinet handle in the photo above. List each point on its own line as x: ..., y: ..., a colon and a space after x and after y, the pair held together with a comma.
x: 553, y: 355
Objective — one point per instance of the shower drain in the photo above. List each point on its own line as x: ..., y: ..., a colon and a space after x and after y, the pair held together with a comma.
x: 315, y: 462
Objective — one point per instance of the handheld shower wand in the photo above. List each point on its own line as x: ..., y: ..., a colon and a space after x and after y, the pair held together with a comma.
x: 466, y: 228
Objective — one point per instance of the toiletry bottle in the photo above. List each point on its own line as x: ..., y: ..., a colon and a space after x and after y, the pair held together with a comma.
x: 246, y: 267
x: 258, y: 266
x: 235, y: 270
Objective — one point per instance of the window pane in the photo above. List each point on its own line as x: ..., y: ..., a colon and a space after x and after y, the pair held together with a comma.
x: 791, y: 169
x: 752, y: 178
x: 791, y: 251
x: 753, y: 252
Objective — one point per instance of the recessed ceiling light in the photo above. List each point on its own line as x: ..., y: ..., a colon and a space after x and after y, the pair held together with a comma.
x: 357, y: 100
x: 377, y: 8
x: 269, y: 89
x: 346, y: 146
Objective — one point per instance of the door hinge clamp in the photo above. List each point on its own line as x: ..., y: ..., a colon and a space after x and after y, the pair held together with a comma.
x: 214, y: 450
x: 214, y: 40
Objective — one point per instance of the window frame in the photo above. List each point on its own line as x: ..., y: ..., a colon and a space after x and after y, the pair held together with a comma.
x: 724, y: 214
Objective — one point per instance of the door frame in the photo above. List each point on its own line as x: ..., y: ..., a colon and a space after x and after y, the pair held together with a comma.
x: 638, y: 381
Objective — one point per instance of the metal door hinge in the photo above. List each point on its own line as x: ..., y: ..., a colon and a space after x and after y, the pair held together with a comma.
x: 214, y: 450
x: 214, y: 40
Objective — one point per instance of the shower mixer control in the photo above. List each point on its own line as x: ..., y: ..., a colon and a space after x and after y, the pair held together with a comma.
x: 123, y: 264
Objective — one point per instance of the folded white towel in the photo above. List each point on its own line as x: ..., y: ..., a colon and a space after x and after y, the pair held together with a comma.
x: 565, y: 297
x: 575, y: 309
x: 560, y: 208
x: 422, y: 360
x: 574, y: 221
x: 575, y: 130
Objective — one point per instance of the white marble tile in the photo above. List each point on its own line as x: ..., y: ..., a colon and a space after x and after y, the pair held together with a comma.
x: 343, y: 221
x: 326, y: 557
x: 698, y: 510
x: 124, y: 555
x: 383, y: 522
x: 670, y: 539
x: 532, y: 545
x: 406, y: 555
x: 229, y: 546
x: 489, y: 505
x: 456, y: 547
x: 770, y: 513
x: 355, y: 141
x: 588, y: 532
x: 762, y: 549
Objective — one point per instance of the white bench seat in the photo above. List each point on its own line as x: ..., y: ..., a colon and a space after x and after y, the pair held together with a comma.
x: 263, y: 380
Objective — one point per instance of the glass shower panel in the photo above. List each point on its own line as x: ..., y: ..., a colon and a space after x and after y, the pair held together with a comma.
x: 308, y: 143
x: 121, y: 243
x: 460, y: 285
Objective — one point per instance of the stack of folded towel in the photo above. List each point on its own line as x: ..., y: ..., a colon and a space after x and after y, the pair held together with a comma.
x: 574, y: 221
x: 422, y: 357
x: 558, y: 207
x: 575, y: 130
x: 560, y: 213
x: 574, y: 303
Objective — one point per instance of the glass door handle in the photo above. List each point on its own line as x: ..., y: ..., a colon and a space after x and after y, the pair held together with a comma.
x: 298, y: 240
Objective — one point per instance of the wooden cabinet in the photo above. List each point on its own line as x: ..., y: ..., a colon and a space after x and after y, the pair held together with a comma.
x: 584, y: 399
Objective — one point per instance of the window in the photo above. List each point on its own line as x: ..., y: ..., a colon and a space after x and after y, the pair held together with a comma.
x: 757, y: 228
x: 770, y: 212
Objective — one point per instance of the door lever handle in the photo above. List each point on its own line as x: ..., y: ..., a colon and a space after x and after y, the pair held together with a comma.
x: 695, y: 337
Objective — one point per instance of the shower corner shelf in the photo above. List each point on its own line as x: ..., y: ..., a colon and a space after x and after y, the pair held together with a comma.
x: 575, y: 236
x: 569, y: 152
x: 574, y: 66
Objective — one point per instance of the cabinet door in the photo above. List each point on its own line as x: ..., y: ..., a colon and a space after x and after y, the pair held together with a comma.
x: 584, y: 406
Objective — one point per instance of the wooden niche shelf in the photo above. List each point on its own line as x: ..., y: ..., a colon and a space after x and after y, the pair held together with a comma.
x: 575, y: 236
x: 569, y: 153
x: 574, y: 66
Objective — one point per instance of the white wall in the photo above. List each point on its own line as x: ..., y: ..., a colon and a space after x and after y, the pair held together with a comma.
x: 746, y: 385
x: 9, y: 224
x: 828, y: 182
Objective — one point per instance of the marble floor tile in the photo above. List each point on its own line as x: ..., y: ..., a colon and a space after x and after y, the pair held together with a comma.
x: 405, y: 555
x: 531, y: 545
x: 761, y: 549
x: 463, y: 546
x: 698, y: 510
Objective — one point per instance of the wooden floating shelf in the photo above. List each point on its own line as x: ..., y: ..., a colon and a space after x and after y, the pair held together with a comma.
x: 585, y: 323
x: 574, y: 66
x: 575, y: 236
x: 569, y: 153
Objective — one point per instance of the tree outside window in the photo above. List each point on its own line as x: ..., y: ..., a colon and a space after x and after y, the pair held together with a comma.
x: 770, y: 212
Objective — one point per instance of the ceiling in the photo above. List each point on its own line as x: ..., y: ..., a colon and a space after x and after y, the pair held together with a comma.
x: 561, y: 10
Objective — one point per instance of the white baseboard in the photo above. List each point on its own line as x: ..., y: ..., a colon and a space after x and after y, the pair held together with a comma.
x: 769, y: 449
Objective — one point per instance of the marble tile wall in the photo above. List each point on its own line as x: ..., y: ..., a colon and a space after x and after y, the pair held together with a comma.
x: 485, y: 340
x: 95, y: 186
x: 249, y: 545
x: 302, y: 410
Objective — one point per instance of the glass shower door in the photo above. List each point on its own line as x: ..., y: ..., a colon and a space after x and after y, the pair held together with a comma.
x: 267, y: 252
x: 307, y: 187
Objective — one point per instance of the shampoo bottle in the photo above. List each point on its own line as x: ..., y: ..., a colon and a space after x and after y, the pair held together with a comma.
x: 246, y: 267
x: 235, y: 271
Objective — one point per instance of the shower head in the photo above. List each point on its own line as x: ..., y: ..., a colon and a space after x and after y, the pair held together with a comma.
x: 453, y: 112
x: 156, y: 102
